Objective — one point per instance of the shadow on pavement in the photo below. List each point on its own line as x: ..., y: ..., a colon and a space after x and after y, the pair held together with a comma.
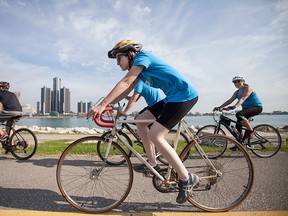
x: 46, y: 200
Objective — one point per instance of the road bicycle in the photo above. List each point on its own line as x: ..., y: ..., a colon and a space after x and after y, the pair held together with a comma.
x: 123, y: 131
x: 22, y: 143
x: 92, y: 185
x: 265, y: 142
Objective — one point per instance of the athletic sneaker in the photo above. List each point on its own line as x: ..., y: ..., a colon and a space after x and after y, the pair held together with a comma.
x: 185, y: 188
x: 142, y: 168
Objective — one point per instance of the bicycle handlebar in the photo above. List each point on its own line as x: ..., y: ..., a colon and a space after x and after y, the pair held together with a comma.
x: 102, y: 122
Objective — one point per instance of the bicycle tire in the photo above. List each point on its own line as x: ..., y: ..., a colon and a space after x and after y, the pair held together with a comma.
x: 87, y: 182
x: 266, y: 141
x: 229, y: 186
x: 25, y: 143
x: 182, y: 143
x: 211, y: 146
x: 101, y: 147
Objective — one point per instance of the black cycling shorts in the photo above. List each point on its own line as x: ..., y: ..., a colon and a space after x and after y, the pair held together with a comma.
x: 170, y: 114
x: 248, y: 112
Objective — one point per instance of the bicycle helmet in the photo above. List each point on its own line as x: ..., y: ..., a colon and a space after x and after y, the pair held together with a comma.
x: 5, y: 85
x: 124, y: 46
x: 237, y: 78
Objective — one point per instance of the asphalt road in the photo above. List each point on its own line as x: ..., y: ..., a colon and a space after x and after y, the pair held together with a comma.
x: 31, y: 185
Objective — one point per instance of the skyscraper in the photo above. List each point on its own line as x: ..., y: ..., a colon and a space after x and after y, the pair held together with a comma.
x: 45, y: 100
x: 81, y: 107
x: 55, y: 95
x: 64, y: 100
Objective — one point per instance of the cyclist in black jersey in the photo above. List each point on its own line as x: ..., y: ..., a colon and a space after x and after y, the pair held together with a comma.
x: 8, y: 102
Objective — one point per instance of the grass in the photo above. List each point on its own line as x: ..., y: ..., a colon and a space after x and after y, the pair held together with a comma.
x: 56, y: 147
x: 285, y: 147
x: 52, y: 147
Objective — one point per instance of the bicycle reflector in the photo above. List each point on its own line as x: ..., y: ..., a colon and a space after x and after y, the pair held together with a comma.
x: 103, y: 120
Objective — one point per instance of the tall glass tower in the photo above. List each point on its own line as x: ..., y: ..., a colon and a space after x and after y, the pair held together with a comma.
x: 45, y: 105
x: 55, y: 95
x: 64, y: 100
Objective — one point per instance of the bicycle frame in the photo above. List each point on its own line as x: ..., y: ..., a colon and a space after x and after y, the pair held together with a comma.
x: 196, y: 143
x: 10, y: 127
x: 99, y: 120
x: 126, y: 125
x: 222, y: 122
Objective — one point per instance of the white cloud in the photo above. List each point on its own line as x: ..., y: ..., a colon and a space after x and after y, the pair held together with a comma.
x: 209, y: 43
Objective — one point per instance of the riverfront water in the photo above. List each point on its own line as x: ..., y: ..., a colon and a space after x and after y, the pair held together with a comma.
x: 274, y: 120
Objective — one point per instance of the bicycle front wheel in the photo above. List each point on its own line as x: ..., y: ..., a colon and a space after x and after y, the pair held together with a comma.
x: 212, y: 149
x: 266, y: 141
x: 225, y: 181
x: 24, y: 142
x: 90, y: 184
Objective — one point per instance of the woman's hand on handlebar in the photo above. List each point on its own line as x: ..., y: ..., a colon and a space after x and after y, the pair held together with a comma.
x: 216, y: 109
x: 98, y: 109
x: 229, y: 108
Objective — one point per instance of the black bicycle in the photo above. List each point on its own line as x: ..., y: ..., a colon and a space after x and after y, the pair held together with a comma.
x: 22, y: 143
x: 125, y: 130
x: 265, y: 142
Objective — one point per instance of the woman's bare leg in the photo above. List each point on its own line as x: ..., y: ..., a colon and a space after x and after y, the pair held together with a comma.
x: 143, y: 131
x: 246, y: 123
x: 157, y: 134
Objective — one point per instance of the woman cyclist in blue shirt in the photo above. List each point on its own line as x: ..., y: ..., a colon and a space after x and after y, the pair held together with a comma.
x: 180, y: 94
x: 248, y: 99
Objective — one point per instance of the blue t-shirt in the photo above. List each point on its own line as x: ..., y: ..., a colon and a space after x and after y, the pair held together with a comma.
x: 158, y: 74
x: 150, y: 94
x: 251, y: 101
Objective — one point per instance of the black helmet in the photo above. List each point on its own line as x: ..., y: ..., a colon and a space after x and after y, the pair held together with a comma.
x: 124, y: 46
x: 5, y: 85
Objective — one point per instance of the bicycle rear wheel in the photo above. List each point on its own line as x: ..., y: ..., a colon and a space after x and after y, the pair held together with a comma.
x: 225, y: 187
x: 24, y: 143
x: 212, y: 149
x: 90, y: 184
x: 266, y: 141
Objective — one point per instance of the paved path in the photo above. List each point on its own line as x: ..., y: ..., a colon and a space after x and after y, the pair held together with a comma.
x: 42, y: 213
x: 31, y: 185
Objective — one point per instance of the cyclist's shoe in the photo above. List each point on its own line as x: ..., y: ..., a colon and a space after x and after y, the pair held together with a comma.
x: 142, y: 168
x: 233, y: 148
x: 185, y: 188
x: 10, y: 148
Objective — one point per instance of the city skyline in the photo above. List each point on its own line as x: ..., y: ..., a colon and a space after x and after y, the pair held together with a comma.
x: 58, y: 100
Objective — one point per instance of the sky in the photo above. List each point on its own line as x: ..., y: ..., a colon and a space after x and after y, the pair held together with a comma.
x: 209, y: 41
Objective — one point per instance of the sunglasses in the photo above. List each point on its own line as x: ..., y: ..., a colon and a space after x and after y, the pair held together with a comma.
x: 118, y: 57
x: 237, y: 81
